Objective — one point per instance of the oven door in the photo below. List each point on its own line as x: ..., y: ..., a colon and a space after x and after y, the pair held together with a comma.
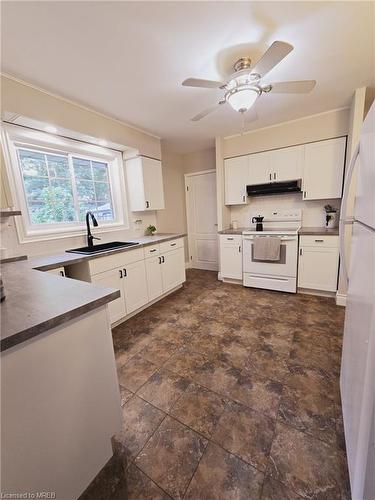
x: 286, y: 266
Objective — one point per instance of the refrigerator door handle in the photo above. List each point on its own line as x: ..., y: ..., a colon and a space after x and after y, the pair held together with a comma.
x: 344, y: 202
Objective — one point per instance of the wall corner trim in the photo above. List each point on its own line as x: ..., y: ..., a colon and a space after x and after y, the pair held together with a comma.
x: 341, y: 299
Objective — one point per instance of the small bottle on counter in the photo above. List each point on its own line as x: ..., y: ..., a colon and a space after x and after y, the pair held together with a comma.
x: 234, y: 224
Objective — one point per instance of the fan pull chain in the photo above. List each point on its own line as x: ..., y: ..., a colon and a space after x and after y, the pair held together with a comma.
x: 243, y: 123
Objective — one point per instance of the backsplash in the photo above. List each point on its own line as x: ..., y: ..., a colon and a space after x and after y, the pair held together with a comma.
x: 312, y: 211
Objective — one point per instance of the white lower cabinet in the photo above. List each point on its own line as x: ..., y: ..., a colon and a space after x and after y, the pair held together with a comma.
x: 318, y: 263
x: 140, y: 281
x: 154, y: 278
x: 112, y: 279
x: 231, y: 256
x: 173, y: 269
x: 135, y: 286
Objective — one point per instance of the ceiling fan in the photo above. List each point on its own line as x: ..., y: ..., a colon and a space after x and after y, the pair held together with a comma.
x: 244, y: 86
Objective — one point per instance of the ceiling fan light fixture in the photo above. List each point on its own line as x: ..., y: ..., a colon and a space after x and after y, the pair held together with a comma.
x: 241, y: 99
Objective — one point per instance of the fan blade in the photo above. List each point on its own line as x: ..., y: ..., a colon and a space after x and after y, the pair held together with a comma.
x: 298, y: 87
x: 206, y: 112
x: 198, y: 82
x: 273, y: 55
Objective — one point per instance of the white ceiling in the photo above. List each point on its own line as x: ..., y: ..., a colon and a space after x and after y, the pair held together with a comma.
x: 128, y: 59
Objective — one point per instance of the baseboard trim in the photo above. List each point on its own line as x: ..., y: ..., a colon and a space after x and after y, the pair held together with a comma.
x: 341, y: 299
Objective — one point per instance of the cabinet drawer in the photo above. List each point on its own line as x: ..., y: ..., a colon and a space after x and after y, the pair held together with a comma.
x: 319, y: 241
x: 171, y: 245
x: 117, y: 260
x: 235, y: 239
x: 151, y: 250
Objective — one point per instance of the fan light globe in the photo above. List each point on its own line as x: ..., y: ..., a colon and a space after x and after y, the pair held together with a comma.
x: 242, y: 99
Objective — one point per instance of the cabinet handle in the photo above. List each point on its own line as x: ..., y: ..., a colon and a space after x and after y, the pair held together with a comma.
x: 147, y: 204
x: 159, y: 260
x: 300, y: 251
x: 62, y: 273
x: 270, y: 177
x: 230, y: 239
x: 274, y: 175
x: 153, y: 250
x: 163, y: 259
x: 319, y: 241
x: 121, y: 276
x: 173, y: 244
x: 125, y: 273
x: 239, y: 248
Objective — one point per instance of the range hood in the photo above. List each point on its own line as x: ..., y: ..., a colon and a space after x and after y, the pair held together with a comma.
x: 274, y: 188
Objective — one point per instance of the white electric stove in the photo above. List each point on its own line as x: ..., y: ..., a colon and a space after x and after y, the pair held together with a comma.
x: 278, y: 275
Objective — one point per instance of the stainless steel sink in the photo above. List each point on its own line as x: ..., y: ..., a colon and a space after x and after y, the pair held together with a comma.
x: 103, y: 247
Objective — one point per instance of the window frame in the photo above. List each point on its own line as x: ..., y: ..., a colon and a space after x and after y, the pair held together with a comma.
x: 15, y: 136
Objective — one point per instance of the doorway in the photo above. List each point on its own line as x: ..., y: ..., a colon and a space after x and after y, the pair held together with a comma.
x: 201, y: 212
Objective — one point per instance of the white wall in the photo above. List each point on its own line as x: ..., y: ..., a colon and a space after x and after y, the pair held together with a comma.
x: 317, y: 127
x: 173, y: 218
x: 199, y: 160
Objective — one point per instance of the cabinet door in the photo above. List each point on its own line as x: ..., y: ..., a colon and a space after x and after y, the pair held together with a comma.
x: 154, y: 278
x: 135, y: 286
x: 259, y: 168
x: 286, y: 164
x: 231, y: 257
x: 324, y: 169
x: 153, y: 184
x: 317, y: 268
x: 173, y: 269
x: 236, y: 179
x: 112, y: 279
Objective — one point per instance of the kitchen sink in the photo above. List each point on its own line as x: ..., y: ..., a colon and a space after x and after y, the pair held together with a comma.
x: 103, y: 247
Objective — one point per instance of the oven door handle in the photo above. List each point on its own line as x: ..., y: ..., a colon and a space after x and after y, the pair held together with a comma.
x: 283, y: 238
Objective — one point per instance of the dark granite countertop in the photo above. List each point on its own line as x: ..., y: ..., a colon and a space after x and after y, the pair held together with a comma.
x: 36, y: 301
x: 48, y: 262
x: 318, y: 231
x: 304, y: 231
x: 234, y: 231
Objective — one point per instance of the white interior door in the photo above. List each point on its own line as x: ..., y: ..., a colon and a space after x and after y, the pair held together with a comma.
x: 202, y: 220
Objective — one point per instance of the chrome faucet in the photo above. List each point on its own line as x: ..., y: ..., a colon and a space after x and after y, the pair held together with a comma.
x: 90, y: 237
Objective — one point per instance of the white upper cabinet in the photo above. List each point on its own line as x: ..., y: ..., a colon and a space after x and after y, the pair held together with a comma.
x: 236, y: 179
x: 324, y: 169
x: 286, y: 164
x: 259, y: 168
x: 145, y: 184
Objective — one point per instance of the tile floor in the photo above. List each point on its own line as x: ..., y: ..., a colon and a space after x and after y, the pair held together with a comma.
x: 228, y: 393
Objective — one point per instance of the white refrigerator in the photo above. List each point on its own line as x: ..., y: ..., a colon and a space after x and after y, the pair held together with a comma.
x: 357, y: 379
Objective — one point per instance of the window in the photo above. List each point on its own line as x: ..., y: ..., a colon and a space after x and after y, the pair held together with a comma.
x: 57, y: 185
x: 62, y: 188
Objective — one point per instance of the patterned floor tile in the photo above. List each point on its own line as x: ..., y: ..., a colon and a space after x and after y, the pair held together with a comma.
x: 171, y: 456
x: 140, y: 420
x: 199, y: 409
x: 245, y: 433
x: 136, y: 372
x: 163, y: 389
x: 223, y: 476
x: 306, y: 465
